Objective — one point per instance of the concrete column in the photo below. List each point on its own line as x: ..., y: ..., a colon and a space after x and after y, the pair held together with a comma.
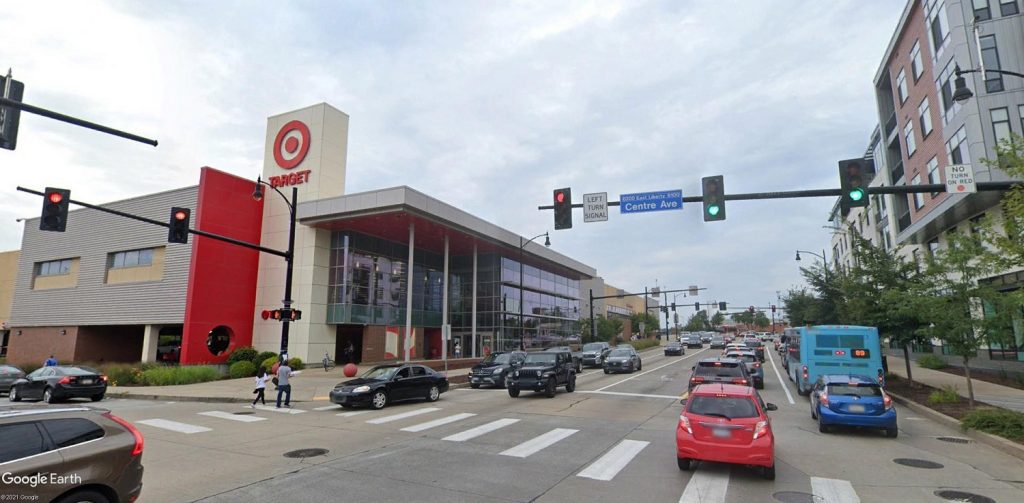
x: 409, y: 282
x: 473, y: 323
x: 150, y: 340
x: 444, y: 304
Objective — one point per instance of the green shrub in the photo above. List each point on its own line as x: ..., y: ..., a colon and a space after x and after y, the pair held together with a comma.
x: 931, y: 362
x: 1005, y: 423
x: 121, y: 374
x: 261, y: 359
x: 242, y: 354
x: 269, y: 363
x: 948, y: 394
x: 28, y: 367
x: 166, y: 376
x: 244, y: 368
x: 295, y: 363
x: 645, y: 343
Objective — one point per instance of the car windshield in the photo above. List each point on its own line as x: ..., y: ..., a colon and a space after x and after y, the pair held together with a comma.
x: 382, y: 373
x: 673, y: 344
x: 593, y: 346
x: 542, y: 358
x: 7, y: 369
x: 727, y: 407
x: 717, y: 338
x: 620, y: 352
x: 743, y: 356
x: 498, y: 358
x: 854, y: 390
x: 725, y: 369
x: 77, y: 371
x: 753, y: 343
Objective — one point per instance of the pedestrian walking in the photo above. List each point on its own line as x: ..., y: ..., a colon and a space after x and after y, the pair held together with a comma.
x: 284, y: 387
x: 458, y: 350
x: 261, y: 387
x: 350, y: 353
x: 50, y: 362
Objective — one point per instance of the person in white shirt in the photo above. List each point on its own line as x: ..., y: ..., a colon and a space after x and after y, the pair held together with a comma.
x: 261, y: 386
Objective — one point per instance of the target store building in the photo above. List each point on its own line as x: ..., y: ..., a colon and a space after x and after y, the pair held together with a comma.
x: 381, y: 271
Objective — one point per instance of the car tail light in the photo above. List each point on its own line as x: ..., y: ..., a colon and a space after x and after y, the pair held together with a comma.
x: 697, y: 379
x: 887, y: 400
x: 739, y: 380
x: 823, y: 398
x: 685, y: 423
x: 137, y: 450
x: 804, y: 370
x: 881, y: 378
x: 104, y: 378
x: 761, y: 429
x: 757, y: 365
x: 64, y: 380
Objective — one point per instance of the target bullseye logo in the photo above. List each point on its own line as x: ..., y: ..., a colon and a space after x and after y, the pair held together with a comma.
x: 291, y: 144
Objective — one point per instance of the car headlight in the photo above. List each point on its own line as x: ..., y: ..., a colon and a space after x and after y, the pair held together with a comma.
x: 498, y: 371
x: 515, y: 374
x: 539, y: 373
x: 361, y: 389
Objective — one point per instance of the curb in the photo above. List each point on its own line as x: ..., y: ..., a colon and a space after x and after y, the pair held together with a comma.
x: 211, y: 399
x: 1006, y: 446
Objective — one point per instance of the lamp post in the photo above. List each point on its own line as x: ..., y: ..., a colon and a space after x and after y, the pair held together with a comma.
x: 961, y: 92
x: 522, y: 244
x: 257, y: 194
x: 675, y: 314
x: 824, y: 261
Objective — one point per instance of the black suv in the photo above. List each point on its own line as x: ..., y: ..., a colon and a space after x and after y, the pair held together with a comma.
x: 544, y: 371
x: 720, y: 370
x: 495, y: 368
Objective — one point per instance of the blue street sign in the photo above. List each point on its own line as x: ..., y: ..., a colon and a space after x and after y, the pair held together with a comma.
x: 651, y: 201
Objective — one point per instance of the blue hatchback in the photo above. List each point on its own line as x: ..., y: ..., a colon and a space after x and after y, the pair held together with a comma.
x: 852, y: 400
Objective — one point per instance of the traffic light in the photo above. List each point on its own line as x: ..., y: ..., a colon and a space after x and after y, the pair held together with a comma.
x: 673, y: 307
x: 773, y: 308
x: 178, y: 231
x: 714, y: 197
x: 563, y: 208
x: 9, y: 116
x: 751, y: 309
x: 286, y: 314
x: 721, y: 306
x: 696, y: 306
x: 853, y: 178
x: 55, y: 210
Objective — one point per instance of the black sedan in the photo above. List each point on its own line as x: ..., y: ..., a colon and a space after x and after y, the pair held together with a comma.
x: 674, y: 348
x: 495, y: 368
x: 622, y: 360
x: 384, y: 384
x: 52, y: 384
x: 9, y: 374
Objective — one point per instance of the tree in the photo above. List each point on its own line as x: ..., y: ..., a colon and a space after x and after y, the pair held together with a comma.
x: 717, y: 319
x: 827, y: 284
x: 761, y: 320
x: 1006, y: 235
x: 801, y: 306
x: 698, y: 322
x: 650, y: 321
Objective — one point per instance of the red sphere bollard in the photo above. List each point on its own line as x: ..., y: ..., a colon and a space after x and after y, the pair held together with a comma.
x: 350, y: 370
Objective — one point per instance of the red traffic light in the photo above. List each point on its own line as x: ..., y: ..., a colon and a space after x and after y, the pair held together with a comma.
x: 180, y: 215
x: 560, y: 197
x: 55, y: 197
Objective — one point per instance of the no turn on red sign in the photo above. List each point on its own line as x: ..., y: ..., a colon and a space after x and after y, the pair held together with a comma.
x: 960, y: 179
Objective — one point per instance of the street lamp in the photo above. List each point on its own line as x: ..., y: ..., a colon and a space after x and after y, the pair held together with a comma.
x: 824, y: 261
x: 547, y: 242
x: 961, y: 92
x: 257, y: 194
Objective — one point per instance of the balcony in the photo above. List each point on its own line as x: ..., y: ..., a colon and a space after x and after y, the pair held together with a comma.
x: 896, y: 173
x: 890, y: 125
x: 903, y: 222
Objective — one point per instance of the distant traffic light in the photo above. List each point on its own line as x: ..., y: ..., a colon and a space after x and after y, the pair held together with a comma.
x: 673, y: 307
x: 55, y: 210
x: 10, y: 116
x: 563, y: 208
x: 853, y: 178
x: 714, y: 197
x: 773, y: 308
x: 286, y: 314
x: 178, y: 231
x: 721, y: 306
x: 696, y: 306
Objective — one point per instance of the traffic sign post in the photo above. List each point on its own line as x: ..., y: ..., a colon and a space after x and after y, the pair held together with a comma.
x: 960, y: 179
x: 595, y: 207
x: 643, y: 202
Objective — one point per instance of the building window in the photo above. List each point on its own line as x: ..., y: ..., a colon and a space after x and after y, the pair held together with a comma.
x: 1020, y: 113
x: 1008, y: 7
x: 916, y: 68
x: 918, y: 197
x: 908, y: 135
x: 939, y: 27
x: 901, y: 86
x: 933, y: 247
x: 132, y: 258
x: 933, y: 173
x: 990, y: 57
x: 1000, y: 124
x: 944, y: 83
x: 54, y: 267
x: 955, y: 147
x: 981, y: 10
x: 925, y: 116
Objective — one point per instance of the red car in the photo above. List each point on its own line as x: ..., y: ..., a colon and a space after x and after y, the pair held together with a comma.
x: 726, y: 423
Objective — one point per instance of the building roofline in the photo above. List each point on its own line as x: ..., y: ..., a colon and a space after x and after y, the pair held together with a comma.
x: 887, y: 55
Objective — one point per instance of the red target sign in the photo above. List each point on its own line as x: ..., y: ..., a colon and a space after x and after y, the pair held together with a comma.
x: 291, y: 144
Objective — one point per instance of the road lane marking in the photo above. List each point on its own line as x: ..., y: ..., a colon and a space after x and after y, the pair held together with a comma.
x: 609, y: 465
x: 174, y: 426
x: 397, y: 417
x: 233, y: 417
x: 480, y: 430
x: 328, y: 407
x: 785, y: 388
x: 649, y: 371
x: 438, y: 422
x: 629, y: 394
x: 707, y: 485
x: 536, y: 444
x: 353, y: 413
x: 834, y: 490
x: 280, y: 410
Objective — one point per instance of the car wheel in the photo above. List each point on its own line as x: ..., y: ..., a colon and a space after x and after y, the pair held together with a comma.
x: 380, y: 399
x: 685, y: 464
x: 346, y: 406
x: 606, y: 371
x: 814, y: 412
x: 549, y: 390
x: 513, y: 391
x: 768, y: 472
x: 433, y: 394
x: 892, y: 432
x: 500, y: 382
x: 97, y: 398
x: 571, y: 385
x: 12, y: 395
x: 474, y: 386
x: 822, y: 427
x: 84, y: 497
x: 639, y: 366
x: 759, y: 384
x: 48, y: 396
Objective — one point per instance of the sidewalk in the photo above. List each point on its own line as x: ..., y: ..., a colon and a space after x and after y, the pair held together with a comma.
x: 994, y: 394
x: 311, y: 385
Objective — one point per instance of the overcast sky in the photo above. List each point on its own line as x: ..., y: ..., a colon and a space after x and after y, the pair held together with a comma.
x: 488, y: 106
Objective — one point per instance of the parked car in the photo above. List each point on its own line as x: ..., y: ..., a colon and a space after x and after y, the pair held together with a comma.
x: 544, y: 371
x: 9, y: 374
x: 719, y: 370
x: 717, y: 342
x: 577, y: 357
x: 622, y: 360
x: 753, y: 366
x: 101, y: 450
x: 674, y: 348
x: 594, y: 353
x: 60, y: 382
x: 493, y: 369
x: 727, y: 424
x: 852, y: 400
x: 385, y: 384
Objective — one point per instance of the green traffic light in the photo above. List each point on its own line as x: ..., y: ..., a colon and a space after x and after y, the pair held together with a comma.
x: 857, y: 194
x: 713, y: 210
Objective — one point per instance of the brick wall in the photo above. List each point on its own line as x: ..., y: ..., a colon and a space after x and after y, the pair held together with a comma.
x: 36, y: 344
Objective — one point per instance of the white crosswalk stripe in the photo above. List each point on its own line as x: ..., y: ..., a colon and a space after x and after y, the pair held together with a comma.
x: 609, y: 465
x: 438, y: 422
x: 834, y: 490
x: 536, y: 444
x: 328, y: 407
x: 282, y: 410
x: 232, y: 417
x: 480, y: 430
x: 353, y: 413
x: 707, y: 485
x: 404, y: 415
x: 173, y: 426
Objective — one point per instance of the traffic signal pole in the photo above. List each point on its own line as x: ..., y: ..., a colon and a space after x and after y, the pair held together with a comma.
x: 25, y: 107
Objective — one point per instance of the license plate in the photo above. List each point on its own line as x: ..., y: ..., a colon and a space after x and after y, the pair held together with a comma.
x: 856, y: 408
x: 721, y: 433
x: 85, y: 381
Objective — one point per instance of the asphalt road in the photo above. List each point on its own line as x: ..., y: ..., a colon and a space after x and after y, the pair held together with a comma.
x: 611, y: 440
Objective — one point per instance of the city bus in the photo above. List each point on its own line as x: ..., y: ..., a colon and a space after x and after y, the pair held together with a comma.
x: 832, y: 349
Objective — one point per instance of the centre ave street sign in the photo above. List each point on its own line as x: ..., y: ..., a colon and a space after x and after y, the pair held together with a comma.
x: 651, y: 201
